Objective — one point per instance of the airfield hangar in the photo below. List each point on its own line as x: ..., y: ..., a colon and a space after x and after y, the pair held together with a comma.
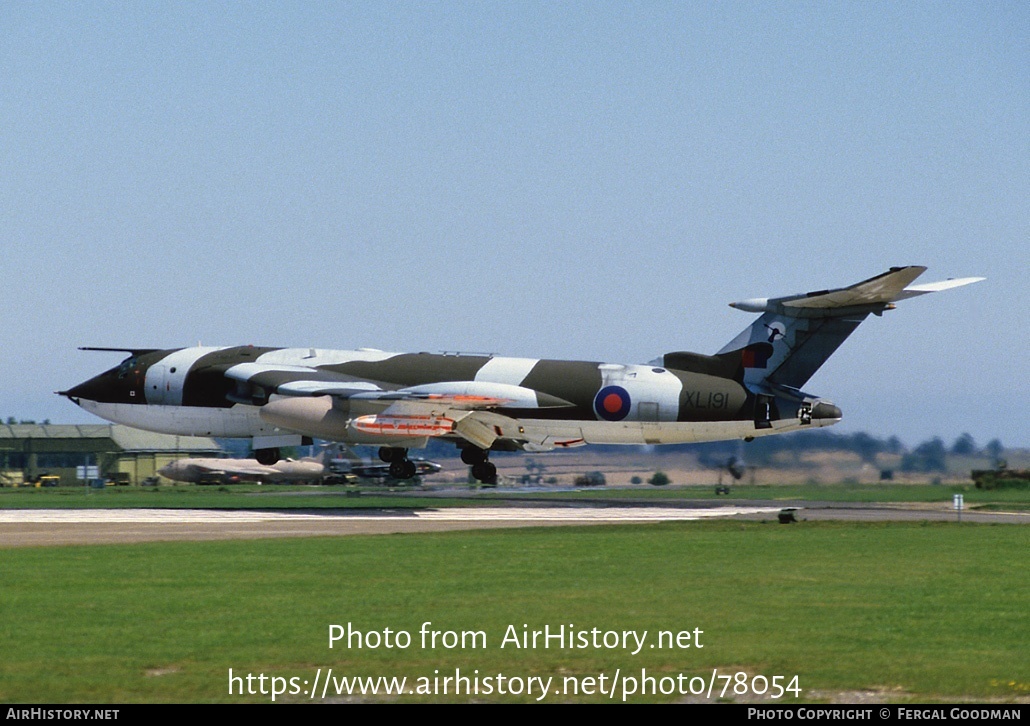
x: 118, y: 453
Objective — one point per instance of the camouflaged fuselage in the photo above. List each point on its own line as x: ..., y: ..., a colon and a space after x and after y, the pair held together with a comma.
x: 220, y: 391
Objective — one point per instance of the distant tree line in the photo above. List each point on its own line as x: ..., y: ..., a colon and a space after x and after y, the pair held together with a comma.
x: 928, y: 456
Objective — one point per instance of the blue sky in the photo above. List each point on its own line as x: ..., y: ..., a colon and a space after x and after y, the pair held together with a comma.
x: 565, y: 180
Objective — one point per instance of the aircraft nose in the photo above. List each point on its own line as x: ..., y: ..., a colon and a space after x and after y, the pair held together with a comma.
x: 93, y: 390
x: 825, y: 409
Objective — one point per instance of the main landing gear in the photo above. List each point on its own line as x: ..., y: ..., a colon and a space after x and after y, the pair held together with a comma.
x: 482, y: 470
x: 401, y: 467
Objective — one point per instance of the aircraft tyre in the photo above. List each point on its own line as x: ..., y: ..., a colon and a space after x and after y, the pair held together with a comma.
x: 267, y: 457
x: 402, y: 469
x: 473, y: 455
x: 485, y: 472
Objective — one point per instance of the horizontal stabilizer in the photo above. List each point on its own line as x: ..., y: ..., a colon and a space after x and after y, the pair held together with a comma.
x: 881, y: 290
x: 915, y: 290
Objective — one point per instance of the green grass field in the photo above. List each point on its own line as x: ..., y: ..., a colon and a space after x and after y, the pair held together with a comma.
x: 190, y: 496
x: 920, y: 612
x: 252, y: 496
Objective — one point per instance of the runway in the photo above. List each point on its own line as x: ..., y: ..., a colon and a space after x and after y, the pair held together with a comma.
x: 36, y: 527
x: 48, y: 527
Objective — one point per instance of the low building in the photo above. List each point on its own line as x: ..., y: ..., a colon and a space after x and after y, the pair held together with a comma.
x: 107, y: 451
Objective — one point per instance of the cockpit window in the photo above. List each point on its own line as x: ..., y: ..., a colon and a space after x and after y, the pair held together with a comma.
x: 127, y: 365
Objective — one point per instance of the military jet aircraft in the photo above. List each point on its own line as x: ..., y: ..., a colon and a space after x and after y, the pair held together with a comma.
x: 231, y: 471
x: 398, y: 401
x: 344, y: 460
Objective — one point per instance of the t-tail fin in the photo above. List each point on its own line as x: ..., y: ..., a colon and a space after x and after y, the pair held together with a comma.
x: 796, y: 334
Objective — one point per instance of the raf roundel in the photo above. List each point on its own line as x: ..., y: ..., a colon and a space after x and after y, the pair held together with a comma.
x: 612, y: 403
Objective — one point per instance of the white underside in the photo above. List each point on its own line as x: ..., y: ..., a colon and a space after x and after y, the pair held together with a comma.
x: 242, y: 421
x: 237, y: 422
x: 677, y: 432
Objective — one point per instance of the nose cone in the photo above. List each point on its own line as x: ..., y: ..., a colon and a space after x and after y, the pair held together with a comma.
x: 121, y: 384
x: 825, y: 410
x: 98, y: 388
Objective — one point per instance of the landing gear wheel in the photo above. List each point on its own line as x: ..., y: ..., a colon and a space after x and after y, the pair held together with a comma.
x: 392, y: 453
x: 402, y: 469
x: 473, y: 455
x: 485, y: 472
x: 267, y: 457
